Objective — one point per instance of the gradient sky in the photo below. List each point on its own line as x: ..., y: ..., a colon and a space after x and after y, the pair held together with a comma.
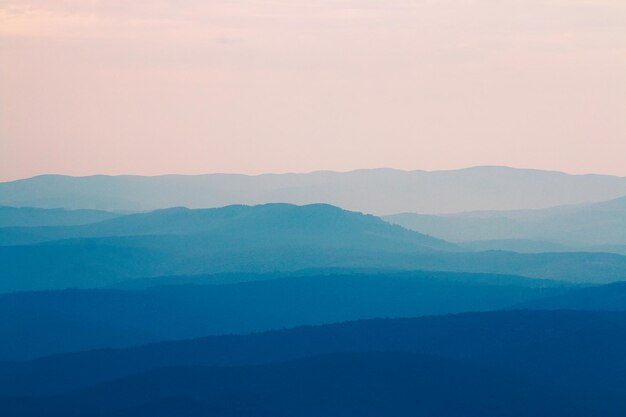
x: 197, y: 86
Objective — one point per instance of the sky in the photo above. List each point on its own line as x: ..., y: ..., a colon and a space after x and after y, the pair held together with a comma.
x: 198, y: 86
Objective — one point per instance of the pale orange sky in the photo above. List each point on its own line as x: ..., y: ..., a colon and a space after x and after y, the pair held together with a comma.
x: 198, y: 86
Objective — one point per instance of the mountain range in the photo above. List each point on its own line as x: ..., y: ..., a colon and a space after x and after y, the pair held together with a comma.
x: 266, y: 238
x: 376, y: 191
x: 483, y: 292
x: 32, y: 217
x: 598, y: 226
x: 519, y: 363
x: 46, y: 322
x: 335, y: 384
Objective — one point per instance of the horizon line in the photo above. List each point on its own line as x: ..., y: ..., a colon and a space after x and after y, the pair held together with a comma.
x: 319, y: 171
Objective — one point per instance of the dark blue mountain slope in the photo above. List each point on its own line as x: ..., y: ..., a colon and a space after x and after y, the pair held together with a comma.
x: 346, y: 384
x: 577, y: 350
x: 41, y: 323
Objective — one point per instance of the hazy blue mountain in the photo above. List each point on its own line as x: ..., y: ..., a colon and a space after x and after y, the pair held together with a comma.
x: 285, y: 224
x: 377, y: 191
x: 577, y: 350
x: 324, y: 273
x: 535, y: 246
x: 78, y: 265
x: 343, y: 384
x: 524, y: 345
x: 604, y: 297
x: 222, y: 278
x: 267, y: 238
x: 29, y: 216
x: 518, y: 245
x: 179, y: 241
x: 619, y: 249
x: 91, y: 263
x: 42, y: 323
x: 580, y: 226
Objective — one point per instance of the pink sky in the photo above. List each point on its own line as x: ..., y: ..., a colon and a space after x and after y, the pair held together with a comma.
x: 196, y: 86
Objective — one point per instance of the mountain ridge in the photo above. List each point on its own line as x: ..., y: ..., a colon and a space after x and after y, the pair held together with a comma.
x: 322, y: 220
x: 177, y: 308
x: 581, y: 226
x: 527, y: 342
x: 376, y: 191
x: 338, y: 384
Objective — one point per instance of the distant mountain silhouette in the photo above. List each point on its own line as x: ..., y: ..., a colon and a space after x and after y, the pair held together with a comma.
x: 75, y: 265
x: 344, y: 384
x: 573, y: 227
x: 573, y: 351
x: 29, y: 217
x: 377, y: 191
x: 605, y: 297
x: 42, y: 323
x: 519, y: 245
x: 487, y: 308
x: 267, y: 238
x: 283, y: 224
x: 99, y: 262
